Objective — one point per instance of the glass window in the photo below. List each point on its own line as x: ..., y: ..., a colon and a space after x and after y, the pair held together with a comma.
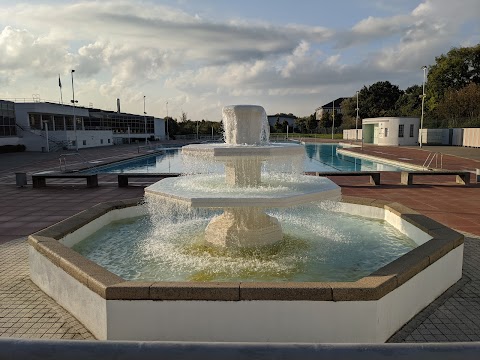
x: 84, y: 142
x: 412, y: 128
x: 400, y: 130
x: 386, y: 132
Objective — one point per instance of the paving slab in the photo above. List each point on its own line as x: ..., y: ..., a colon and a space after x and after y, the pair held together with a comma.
x: 25, y: 311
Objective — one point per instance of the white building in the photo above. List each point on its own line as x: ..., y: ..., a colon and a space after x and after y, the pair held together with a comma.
x: 44, y: 126
x: 391, y: 131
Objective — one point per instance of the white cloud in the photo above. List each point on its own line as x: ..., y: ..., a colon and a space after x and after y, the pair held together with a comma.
x: 131, y: 48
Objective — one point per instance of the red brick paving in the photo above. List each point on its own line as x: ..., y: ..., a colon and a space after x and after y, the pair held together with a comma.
x: 26, y: 210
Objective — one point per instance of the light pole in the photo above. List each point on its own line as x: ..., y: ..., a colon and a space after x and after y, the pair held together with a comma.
x: 333, y: 117
x: 145, y: 119
x: 356, y: 121
x: 168, y: 135
x: 45, y: 124
x: 74, y: 118
x: 424, y: 68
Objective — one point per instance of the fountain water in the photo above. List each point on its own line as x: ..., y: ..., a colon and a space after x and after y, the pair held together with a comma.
x: 244, y: 221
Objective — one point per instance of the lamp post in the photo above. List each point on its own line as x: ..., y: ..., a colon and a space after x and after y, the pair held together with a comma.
x: 424, y: 68
x: 145, y: 119
x: 74, y: 118
x: 168, y: 135
x: 45, y: 124
x: 356, y: 120
x: 333, y: 117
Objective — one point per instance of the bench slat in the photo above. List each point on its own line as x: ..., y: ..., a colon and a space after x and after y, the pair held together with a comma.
x: 123, y: 178
x: 461, y: 177
x: 39, y: 180
x: 374, y: 175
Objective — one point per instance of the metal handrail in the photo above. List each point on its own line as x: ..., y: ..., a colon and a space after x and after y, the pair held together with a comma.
x: 433, y: 156
x: 63, y: 160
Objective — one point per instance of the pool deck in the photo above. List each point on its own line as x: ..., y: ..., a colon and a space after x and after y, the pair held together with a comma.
x: 25, y: 311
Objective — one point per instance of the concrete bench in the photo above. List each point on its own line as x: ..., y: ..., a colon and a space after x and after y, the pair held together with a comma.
x: 123, y: 178
x: 461, y: 177
x: 39, y: 180
x: 373, y: 175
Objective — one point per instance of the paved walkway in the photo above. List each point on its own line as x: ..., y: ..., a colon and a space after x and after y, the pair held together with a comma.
x: 25, y: 311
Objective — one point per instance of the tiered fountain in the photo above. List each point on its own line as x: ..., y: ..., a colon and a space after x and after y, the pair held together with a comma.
x: 293, y: 303
x: 246, y: 192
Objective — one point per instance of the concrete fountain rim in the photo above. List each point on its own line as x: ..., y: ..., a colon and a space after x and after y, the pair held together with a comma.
x: 372, y: 287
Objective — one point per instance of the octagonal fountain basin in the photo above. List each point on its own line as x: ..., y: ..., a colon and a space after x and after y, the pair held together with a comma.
x: 273, y: 304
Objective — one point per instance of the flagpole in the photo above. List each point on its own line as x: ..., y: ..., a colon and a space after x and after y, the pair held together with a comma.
x: 60, y: 85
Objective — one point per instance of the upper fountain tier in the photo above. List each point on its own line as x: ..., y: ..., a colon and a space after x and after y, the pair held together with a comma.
x: 247, y: 133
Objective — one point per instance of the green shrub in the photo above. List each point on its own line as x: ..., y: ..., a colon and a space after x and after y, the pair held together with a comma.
x: 12, y: 148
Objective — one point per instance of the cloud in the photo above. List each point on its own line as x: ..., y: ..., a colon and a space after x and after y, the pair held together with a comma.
x: 133, y: 48
x: 21, y: 51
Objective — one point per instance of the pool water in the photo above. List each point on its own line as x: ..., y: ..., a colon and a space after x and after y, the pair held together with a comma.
x: 319, y: 157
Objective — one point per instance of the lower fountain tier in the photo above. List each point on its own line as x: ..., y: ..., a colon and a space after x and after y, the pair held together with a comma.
x: 243, y: 228
x: 210, y: 191
x: 220, y: 151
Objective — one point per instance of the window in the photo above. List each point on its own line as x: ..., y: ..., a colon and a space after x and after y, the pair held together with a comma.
x: 411, y: 130
x: 400, y: 130
x: 386, y: 132
x: 109, y: 141
x: 84, y: 142
x: 101, y: 141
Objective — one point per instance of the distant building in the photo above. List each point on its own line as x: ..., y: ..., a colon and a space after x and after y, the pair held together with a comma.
x: 329, y: 107
x: 7, y: 119
x: 391, y: 131
x: 46, y: 126
x: 290, y: 119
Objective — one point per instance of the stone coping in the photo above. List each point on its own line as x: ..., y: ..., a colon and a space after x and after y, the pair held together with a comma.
x: 373, y: 287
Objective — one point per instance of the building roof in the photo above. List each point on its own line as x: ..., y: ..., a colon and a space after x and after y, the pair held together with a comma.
x: 329, y: 105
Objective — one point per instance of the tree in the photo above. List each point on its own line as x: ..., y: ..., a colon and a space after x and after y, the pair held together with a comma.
x: 453, y: 71
x: 460, y: 107
x: 410, y: 102
x: 278, y: 126
x: 311, y: 123
x: 326, y: 120
x: 300, y: 124
x: 172, y: 125
x: 379, y: 99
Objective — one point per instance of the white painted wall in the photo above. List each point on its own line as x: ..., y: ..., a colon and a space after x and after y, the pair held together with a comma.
x: 159, y: 128
x: 91, y: 138
x: 392, y: 124
x: 88, y: 307
x: 284, y: 321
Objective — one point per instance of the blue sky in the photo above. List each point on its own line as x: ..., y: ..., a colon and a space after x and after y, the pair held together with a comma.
x: 200, y: 55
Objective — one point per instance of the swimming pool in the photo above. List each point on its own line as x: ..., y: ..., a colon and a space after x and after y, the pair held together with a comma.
x: 319, y: 157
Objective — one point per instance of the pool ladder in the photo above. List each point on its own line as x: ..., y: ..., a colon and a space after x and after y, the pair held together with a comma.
x: 63, y: 161
x: 433, y: 156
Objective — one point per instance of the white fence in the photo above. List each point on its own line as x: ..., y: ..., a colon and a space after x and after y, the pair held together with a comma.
x: 350, y: 134
x: 468, y: 137
x: 471, y: 137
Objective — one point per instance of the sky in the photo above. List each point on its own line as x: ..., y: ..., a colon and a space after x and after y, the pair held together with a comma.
x: 196, y: 56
